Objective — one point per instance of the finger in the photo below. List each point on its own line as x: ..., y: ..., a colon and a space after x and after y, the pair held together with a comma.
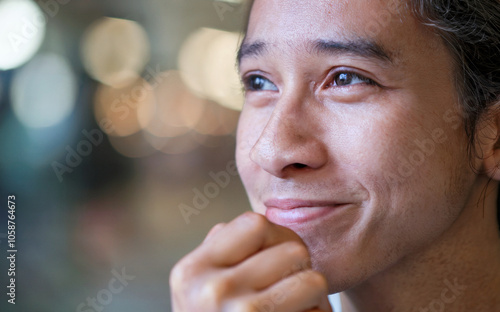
x: 273, y: 264
x: 242, y: 237
x: 303, y: 291
x: 216, y: 228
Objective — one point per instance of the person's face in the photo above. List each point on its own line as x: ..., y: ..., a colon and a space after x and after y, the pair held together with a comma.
x: 350, y: 113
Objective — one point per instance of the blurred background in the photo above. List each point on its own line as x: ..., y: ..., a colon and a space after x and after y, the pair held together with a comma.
x: 117, y: 137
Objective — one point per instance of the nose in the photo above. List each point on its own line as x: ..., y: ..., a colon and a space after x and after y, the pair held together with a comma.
x: 290, y: 142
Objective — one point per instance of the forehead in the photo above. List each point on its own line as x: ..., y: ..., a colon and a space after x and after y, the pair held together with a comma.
x: 295, y: 23
x: 291, y: 17
x: 299, y: 18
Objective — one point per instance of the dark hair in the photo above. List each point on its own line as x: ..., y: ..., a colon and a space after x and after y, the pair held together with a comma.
x: 471, y: 31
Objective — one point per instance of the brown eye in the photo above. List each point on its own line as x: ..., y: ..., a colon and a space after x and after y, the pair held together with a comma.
x: 259, y: 83
x: 346, y: 79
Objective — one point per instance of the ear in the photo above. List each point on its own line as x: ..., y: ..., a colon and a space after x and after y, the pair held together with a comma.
x: 488, y: 138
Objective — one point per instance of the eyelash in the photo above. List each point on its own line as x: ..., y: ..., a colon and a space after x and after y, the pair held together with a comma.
x: 247, y: 82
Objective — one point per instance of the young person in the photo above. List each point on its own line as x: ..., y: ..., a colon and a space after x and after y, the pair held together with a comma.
x: 369, y: 149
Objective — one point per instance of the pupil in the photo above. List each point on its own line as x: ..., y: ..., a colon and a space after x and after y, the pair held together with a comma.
x: 258, y: 83
x: 344, y: 79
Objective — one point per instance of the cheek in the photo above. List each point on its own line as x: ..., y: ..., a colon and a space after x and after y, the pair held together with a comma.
x: 248, y: 132
x: 416, y: 174
x: 246, y: 136
x: 412, y: 201
x: 412, y: 163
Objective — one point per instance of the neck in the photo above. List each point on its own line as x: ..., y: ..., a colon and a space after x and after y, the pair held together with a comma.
x: 459, y: 272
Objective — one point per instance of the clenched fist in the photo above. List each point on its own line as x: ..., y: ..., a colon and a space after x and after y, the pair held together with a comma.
x: 249, y: 264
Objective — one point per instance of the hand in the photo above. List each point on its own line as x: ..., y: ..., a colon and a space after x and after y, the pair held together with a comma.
x: 250, y: 265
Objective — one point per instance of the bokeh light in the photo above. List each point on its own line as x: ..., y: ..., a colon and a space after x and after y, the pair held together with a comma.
x: 22, y: 29
x: 192, y: 57
x: 103, y: 138
x: 132, y: 146
x: 223, y: 84
x: 52, y: 91
x: 117, y: 110
x: 176, y: 109
x: 217, y: 120
x: 207, y: 61
x: 115, y: 51
x: 176, y: 145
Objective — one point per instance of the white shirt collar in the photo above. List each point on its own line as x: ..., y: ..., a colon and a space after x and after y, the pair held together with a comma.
x: 335, y: 302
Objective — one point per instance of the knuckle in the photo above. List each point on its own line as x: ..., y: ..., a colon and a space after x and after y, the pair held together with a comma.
x: 177, y: 275
x: 257, y: 221
x: 214, y: 230
x: 238, y: 306
x: 242, y: 306
x: 182, y: 272
x: 216, y: 291
x: 219, y: 226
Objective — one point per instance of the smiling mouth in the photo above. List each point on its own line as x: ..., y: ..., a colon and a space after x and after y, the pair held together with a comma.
x: 293, y: 211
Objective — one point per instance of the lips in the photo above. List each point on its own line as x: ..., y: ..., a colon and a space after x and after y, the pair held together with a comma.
x: 295, y: 211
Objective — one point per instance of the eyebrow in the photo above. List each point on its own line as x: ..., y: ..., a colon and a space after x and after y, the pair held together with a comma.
x: 359, y: 47
x: 250, y: 50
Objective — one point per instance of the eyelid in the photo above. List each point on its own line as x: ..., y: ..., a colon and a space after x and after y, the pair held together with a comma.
x: 252, y: 73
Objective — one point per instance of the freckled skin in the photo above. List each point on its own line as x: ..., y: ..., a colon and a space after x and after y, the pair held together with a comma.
x: 354, y: 141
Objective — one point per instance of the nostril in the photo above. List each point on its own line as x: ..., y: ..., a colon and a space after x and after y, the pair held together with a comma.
x: 299, y: 166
